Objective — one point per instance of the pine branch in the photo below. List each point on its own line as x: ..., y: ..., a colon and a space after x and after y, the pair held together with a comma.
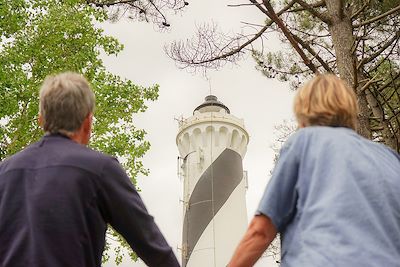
x: 370, y: 81
x: 358, y: 12
x: 379, y: 52
x: 314, y: 5
x: 314, y: 12
x: 393, y: 10
x: 312, y: 52
x: 273, y: 16
x: 388, y: 82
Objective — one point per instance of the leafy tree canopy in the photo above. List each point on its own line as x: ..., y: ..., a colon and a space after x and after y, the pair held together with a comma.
x: 42, y: 37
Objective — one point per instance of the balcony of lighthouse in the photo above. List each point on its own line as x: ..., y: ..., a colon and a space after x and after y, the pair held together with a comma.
x: 212, y: 130
x: 210, y: 114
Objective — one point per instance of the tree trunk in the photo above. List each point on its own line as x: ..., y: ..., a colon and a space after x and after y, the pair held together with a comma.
x: 341, y: 31
x: 363, y: 126
x: 387, y: 135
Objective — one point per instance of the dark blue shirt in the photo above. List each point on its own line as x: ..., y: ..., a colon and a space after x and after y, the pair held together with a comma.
x: 56, y: 199
x: 335, y: 198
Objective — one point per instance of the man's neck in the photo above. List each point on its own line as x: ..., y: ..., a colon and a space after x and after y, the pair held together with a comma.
x: 79, y: 138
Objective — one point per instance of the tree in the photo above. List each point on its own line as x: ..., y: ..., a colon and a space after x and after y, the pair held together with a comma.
x: 359, y: 40
x: 142, y: 10
x: 43, y: 37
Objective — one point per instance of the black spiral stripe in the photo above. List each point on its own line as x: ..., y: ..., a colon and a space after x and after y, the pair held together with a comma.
x: 223, y: 176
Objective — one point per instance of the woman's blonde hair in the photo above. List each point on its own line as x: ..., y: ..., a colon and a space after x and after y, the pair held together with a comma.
x: 327, y: 101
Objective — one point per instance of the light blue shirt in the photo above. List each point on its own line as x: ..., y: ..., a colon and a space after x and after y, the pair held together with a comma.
x: 335, y: 198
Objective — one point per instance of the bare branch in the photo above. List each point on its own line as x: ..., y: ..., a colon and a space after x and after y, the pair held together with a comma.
x: 260, y: 7
x: 358, y: 12
x: 393, y: 10
x: 252, y: 24
x: 273, y: 16
x: 239, y: 5
x: 312, y: 52
x: 283, y: 10
x: 148, y: 10
x: 395, y: 114
x: 329, y: 51
x: 161, y: 14
x: 314, y: 12
x: 208, y: 35
x: 314, y: 5
x: 141, y: 10
x: 388, y: 82
x: 296, y: 29
x: 382, y: 60
x: 370, y: 81
x: 178, y: 52
x: 379, y: 52
x: 109, y: 3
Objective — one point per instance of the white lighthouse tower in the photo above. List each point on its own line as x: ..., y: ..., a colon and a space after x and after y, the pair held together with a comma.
x: 212, y: 144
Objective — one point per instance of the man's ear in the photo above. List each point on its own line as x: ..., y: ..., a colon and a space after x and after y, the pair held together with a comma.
x: 40, y: 120
x: 88, y: 122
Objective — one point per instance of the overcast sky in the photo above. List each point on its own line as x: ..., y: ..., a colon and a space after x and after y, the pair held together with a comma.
x: 262, y: 103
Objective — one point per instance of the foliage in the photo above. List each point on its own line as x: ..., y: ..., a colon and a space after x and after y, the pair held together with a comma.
x: 42, y: 37
x: 154, y: 11
x: 358, y: 40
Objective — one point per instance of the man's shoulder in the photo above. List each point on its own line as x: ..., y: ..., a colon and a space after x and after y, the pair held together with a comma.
x: 55, y: 151
x: 93, y: 159
x: 84, y: 157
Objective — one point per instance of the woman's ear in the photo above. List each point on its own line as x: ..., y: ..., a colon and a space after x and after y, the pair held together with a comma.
x: 300, y: 124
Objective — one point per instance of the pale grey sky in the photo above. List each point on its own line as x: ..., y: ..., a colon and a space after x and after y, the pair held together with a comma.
x: 261, y: 102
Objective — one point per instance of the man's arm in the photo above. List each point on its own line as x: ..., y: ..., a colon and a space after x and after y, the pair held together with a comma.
x: 259, y: 235
x: 126, y: 212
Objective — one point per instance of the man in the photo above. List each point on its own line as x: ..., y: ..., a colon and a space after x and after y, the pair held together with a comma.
x: 334, y: 196
x: 57, y: 196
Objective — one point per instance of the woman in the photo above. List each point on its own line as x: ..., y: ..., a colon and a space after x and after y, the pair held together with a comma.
x: 334, y: 196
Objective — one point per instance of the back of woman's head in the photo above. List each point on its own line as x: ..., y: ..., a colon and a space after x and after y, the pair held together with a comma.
x: 326, y: 100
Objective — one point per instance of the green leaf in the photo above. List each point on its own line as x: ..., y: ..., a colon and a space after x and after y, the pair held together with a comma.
x: 42, y: 37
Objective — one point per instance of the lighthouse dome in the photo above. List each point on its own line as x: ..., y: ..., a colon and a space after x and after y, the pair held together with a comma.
x: 211, y: 104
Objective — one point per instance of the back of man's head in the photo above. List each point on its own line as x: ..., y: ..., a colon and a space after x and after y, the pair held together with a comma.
x: 66, y: 99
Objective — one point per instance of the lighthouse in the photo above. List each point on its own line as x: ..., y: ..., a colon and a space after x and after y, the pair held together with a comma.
x: 212, y: 144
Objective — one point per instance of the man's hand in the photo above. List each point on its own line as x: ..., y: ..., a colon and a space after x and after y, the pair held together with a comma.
x: 259, y: 235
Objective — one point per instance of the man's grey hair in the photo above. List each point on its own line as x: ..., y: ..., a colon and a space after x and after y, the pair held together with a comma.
x: 66, y: 100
